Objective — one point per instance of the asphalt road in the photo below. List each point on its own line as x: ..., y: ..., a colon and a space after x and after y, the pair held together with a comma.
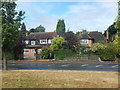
x: 47, y: 65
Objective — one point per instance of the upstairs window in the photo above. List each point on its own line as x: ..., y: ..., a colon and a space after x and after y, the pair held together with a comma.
x: 49, y: 41
x: 84, y: 41
x: 26, y: 42
x: 32, y: 42
x: 43, y: 41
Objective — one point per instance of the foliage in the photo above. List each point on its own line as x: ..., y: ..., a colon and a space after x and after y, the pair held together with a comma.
x: 10, y: 24
x: 112, y: 30
x: 47, y: 53
x: 23, y: 29
x: 97, y: 47
x: 71, y: 39
x: 38, y: 29
x: 105, y: 51
x: 117, y: 44
x: 57, y: 42
x: 19, y: 48
x: 60, y: 27
x: 63, y: 53
x: 84, y: 49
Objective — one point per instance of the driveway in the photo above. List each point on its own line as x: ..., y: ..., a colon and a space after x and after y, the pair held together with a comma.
x: 59, y: 65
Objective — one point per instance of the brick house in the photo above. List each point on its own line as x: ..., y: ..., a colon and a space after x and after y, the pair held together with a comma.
x: 35, y: 41
x: 87, y: 39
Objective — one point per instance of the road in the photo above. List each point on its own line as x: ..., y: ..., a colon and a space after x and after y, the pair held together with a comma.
x: 48, y: 65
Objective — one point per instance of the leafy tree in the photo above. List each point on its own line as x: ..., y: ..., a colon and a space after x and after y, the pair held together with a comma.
x: 117, y: 25
x: 71, y: 39
x: 11, y: 21
x: 117, y: 44
x: 23, y: 29
x: 40, y: 29
x: 32, y: 30
x: 60, y: 27
x: 57, y: 42
x: 112, y: 30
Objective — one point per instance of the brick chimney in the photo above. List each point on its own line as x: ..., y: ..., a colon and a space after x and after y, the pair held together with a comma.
x: 107, y: 35
x: 27, y: 34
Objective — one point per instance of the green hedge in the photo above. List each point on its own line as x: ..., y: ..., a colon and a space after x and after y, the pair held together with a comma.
x: 10, y: 55
x: 107, y: 54
x: 47, y: 53
x: 62, y: 53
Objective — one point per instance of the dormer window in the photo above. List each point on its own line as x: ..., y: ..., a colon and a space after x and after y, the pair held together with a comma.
x: 26, y: 42
x: 32, y: 42
x: 43, y: 41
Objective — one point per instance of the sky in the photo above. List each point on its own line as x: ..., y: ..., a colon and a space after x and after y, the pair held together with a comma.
x: 78, y: 15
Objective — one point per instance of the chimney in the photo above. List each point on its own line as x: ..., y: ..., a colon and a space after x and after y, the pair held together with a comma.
x: 107, y: 35
x: 27, y: 34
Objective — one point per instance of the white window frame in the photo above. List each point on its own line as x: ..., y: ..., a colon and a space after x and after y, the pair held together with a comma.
x: 49, y: 41
x: 26, y: 51
x: 41, y: 41
x: 32, y: 42
x: 84, y: 41
x: 26, y: 42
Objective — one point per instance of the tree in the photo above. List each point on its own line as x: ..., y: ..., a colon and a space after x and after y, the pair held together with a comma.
x: 117, y: 44
x: 23, y: 29
x: 37, y: 29
x: 11, y: 22
x: 60, y: 27
x: 117, y: 25
x: 71, y: 39
x: 32, y: 30
x: 40, y: 29
x: 57, y: 42
x: 112, y: 30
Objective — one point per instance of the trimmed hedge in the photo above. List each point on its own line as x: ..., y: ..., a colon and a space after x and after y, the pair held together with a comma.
x: 63, y: 53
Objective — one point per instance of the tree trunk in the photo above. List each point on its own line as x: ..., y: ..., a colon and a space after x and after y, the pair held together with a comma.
x: 4, y: 61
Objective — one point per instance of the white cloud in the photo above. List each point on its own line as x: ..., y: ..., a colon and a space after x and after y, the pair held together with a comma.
x: 78, y: 16
x: 67, y: 0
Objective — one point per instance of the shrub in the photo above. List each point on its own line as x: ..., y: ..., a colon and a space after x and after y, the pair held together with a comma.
x: 10, y: 55
x: 62, y: 53
x: 47, y: 53
x: 105, y: 52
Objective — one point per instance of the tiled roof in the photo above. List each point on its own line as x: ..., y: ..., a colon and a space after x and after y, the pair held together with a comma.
x: 42, y: 35
x: 85, y: 36
x: 95, y: 35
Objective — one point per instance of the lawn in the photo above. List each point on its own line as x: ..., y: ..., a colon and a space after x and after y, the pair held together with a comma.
x: 59, y: 79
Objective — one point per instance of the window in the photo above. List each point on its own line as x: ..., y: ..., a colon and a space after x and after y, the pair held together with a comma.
x: 84, y: 41
x: 26, y: 42
x: 33, y: 50
x: 43, y: 41
x: 26, y: 50
x: 32, y: 42
x: 49, y: 41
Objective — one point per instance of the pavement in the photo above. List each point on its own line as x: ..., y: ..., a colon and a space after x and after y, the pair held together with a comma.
x: 61, y: 65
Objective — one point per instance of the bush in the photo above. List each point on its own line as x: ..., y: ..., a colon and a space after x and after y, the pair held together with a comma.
x: 62, y: 53
x: 10, y: 55
x: 47, y: 53
x: 105, y: 52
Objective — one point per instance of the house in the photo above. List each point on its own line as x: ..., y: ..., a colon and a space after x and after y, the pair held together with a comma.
x: 87, y: 39
x: 35, y: 41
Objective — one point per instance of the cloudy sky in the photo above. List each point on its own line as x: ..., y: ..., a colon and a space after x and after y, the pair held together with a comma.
x: 92, y: 15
